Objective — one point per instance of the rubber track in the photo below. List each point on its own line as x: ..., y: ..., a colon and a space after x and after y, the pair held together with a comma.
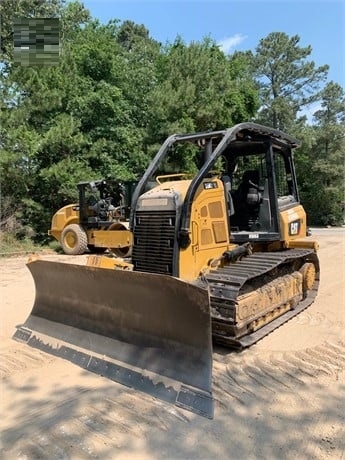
x: 225, y: 286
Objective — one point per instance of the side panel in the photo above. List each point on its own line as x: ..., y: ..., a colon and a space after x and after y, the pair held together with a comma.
x: 209, y: 231
x: 110, y: 238
x: 64, y: 216
x: 293, y: 223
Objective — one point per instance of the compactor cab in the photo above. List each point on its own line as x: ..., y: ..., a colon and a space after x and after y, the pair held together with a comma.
x: 97, y: 222
x: 218, y: 255
x: 101, y: 202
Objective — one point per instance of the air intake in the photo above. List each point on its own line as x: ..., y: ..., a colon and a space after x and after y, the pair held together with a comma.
x: 154, y: 239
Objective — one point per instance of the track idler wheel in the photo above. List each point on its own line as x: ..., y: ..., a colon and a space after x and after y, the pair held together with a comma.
x: 308, y: 272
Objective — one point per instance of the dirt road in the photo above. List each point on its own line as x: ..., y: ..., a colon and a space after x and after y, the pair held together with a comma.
x: 283, y: 398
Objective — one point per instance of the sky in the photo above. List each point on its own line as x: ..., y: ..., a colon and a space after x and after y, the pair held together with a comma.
x: 239, y: 25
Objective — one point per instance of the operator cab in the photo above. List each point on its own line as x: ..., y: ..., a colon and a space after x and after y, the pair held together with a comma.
x: 262, y: 183
x: 101, y: 203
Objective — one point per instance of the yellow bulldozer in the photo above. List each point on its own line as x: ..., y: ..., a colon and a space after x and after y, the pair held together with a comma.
x: 219, y: 257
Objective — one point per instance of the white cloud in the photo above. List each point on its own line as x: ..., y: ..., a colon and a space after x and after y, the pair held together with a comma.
x: 227, y: 44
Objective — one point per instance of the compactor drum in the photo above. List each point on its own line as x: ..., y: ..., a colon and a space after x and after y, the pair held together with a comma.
x: 222, y: 254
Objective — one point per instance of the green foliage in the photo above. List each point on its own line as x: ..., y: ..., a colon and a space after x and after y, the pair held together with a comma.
x: 199, y: 89
x: 321, y: 162
x: 288, y: 81
x: 324, y: 205
x: 34, y: 218
x: 12, y: 245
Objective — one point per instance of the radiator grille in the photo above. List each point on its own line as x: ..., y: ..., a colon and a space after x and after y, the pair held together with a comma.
x: 154, y: 237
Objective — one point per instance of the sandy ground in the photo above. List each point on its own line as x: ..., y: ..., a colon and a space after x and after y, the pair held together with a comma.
x: 283, y: 398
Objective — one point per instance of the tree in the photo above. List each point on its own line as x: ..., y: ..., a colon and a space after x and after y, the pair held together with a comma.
x: 199, y: 89
x: 140, y: 52
x: 130, y: 34
x: 323, y: 174
x: 288, y: 80
x: 81, y: 120
x: 32, y: 101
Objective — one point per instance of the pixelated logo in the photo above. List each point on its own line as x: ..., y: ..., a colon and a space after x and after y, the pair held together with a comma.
x: 36, y: 42
x: 294, y: 227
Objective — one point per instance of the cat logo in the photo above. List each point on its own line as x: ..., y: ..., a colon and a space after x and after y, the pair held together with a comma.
x: 294, y: 227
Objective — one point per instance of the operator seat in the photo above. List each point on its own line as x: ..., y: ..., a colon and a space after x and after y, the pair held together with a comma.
x: 247, y: 199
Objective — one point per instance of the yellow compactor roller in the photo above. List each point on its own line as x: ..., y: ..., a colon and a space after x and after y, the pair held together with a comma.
x: 222, y: 257
x: 96, y: 223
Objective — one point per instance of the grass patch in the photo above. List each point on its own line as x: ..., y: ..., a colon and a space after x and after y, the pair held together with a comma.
x: 56, y: 247
x: 9, y: 245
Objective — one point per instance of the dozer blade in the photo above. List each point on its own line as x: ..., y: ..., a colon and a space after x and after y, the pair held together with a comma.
x: 147, y: 331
